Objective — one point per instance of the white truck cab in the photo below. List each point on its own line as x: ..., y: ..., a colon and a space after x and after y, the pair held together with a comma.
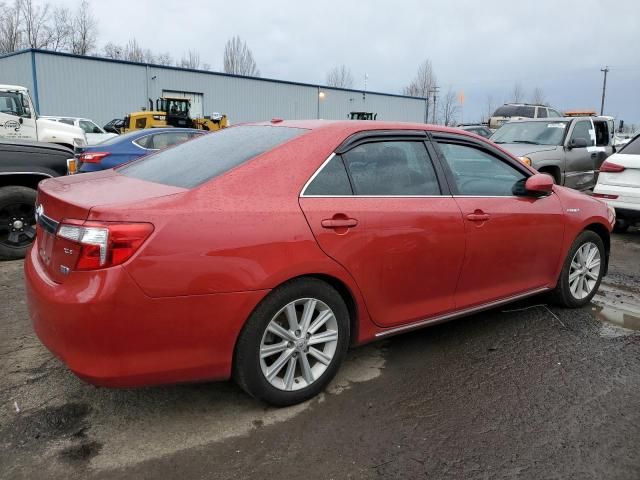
x: 19, y: 121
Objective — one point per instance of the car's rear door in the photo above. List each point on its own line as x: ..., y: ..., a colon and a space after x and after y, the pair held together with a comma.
x: 513, y: 241
x: 381, y: 210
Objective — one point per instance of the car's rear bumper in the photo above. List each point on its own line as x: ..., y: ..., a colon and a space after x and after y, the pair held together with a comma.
x: 110, y: 333
x: 626, y: 201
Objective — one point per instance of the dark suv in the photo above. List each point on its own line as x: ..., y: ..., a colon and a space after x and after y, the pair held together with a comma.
x: 518, y: 111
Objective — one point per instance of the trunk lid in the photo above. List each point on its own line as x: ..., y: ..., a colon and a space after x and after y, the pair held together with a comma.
x: 71, y: 199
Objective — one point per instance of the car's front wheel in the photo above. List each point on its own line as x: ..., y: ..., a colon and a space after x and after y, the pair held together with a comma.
x: 582, y: 271
x: 293, y: 343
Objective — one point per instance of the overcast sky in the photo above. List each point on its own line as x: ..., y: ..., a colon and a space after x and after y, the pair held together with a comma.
x: 481, y: 48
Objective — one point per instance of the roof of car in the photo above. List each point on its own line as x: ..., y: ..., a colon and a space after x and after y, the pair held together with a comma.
x: 553, y: 119
x: 347, y: 126
x: 149, y: 131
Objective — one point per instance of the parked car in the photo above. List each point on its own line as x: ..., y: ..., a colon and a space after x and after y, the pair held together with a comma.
x: 262, y: 252
x: 124, y: 148
x: 20, y: 121
x: 571, y: 150
x: 94, y: 133
x: 114, y: 126
x: 619, y: 184
x: 519, y: 111
x: 22, y: 165
x: 481, y: 130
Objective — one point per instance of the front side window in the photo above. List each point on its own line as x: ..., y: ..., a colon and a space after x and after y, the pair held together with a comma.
x: 582, y: 129
x: 533, y: 133
x: 554, y: 113
x: 89, y: 127
x: 11, y: 103
x: 395, y: 168
x: 478, y: 173
x: 332, y: 180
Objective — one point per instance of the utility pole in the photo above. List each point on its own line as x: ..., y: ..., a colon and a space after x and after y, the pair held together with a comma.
x: 435, y: 96
x: 605, y: 70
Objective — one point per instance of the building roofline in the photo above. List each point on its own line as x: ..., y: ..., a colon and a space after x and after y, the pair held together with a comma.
x: 193, y: 70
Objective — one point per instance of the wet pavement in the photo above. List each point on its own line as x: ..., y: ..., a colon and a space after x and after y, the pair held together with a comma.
x: 528, y: 390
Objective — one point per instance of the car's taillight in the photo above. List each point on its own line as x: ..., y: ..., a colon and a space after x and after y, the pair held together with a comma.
x: 604, y: 195
x: 104, y: 244
x: 93, y: 157
x: 611, y: 167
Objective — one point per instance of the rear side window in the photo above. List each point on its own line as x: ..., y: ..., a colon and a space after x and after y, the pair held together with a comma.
x: 632, y: 148
x: 192, y: 163
x: 332, y: 180
x: 542, y: 112
x: 392, y: 169
x: 515, y: 111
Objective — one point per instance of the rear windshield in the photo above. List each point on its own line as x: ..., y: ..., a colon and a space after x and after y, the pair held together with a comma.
x: 515, y: 111
x: 632, y: 148
x: 194, y: 162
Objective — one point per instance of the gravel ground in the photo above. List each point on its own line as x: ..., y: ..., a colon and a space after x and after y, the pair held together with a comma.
x: 524, y: 391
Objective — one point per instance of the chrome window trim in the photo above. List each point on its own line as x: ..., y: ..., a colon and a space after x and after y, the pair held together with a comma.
x: 459, y: 313
x: 27, y: 173
x: 575, y: 174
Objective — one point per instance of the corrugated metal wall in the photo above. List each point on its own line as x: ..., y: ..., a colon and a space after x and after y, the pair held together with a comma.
x: 16, y: 70
x: 103, y: 90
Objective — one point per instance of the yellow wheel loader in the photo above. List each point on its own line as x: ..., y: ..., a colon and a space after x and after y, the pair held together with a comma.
x: 172, y: 112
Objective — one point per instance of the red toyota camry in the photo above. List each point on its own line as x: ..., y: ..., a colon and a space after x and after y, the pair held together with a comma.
x: 262, y: 252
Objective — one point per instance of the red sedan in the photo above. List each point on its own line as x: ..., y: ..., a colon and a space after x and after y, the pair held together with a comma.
x: 262, y: 252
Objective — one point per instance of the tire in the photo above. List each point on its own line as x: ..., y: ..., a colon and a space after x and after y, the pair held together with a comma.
x: 570, y: 294
x: 621, y: 226
x: 290, y: 383
x: 17, y: 206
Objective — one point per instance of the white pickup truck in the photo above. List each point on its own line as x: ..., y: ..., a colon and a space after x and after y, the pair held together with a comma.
x: 19, y: 121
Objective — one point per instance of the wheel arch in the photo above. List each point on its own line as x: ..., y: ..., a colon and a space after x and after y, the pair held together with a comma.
x: 554, y: 171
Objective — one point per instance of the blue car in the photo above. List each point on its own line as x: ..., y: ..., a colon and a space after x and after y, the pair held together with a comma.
x: 131, y: 146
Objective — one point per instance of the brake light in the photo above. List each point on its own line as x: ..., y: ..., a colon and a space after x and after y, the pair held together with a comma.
x: 104, y: 244
x: 93, y: 157
x: 611, y: 167
x: 604, y: 195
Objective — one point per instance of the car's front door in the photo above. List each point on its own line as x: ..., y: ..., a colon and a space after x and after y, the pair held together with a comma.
x: 513, y: 241
x: 381, y: 211
x: 580, y: 162
x: 17, y: 120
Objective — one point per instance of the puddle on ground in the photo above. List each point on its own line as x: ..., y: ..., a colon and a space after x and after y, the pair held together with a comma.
x: 617, y: 317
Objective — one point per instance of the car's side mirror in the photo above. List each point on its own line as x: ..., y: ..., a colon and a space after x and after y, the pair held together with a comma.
x: 539, y: 184
x: 578, y: 143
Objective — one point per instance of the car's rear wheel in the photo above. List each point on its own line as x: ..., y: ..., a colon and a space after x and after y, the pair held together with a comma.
x: 582, y: 271
x: 293, y: 343
x: 17, y: 221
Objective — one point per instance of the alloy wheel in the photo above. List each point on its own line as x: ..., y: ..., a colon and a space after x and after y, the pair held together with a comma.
x: 585, y: 270
x: 17, y: 225
x: 298, y: 344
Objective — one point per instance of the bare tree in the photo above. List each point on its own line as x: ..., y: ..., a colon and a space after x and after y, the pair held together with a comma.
x: 61, y: 29
x: 133, y: 52
x: 537, y: 96
x: 164, y: 59
x: 190, y: 60
x: 84, y: 30
x: 517, y: 94
x: 111, y: 50
x: 489, y: 109
x: 238, y: 58
x: 449, y: 107
x: 423, y: 83
x: 35, y: 23
x: 10, y: 27
x: 340, y: 77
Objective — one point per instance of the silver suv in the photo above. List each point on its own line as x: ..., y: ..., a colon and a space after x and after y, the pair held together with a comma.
x: 519, y: 111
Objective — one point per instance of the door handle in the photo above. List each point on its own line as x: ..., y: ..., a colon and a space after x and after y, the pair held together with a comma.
x: 478, y: 216
x: 594, y: 155
x: 339, y: 222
